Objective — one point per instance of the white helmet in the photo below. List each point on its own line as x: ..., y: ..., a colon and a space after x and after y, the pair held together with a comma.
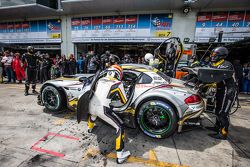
x: 148, y: 56
x: 115, y: 71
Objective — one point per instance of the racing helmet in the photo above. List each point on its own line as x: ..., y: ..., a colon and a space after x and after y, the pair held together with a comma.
x: 113, y: 59
x: 115, y: 71
x: 148, y: 57
x: 218, y: 54
x: 30, y: 49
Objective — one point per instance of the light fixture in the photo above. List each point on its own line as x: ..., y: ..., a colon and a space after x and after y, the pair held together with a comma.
x: 186, y: 9
x: 189, y: 1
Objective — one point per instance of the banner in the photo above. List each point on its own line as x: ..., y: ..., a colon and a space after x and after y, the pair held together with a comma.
x: 235, y: 25
x: 122, y: 28
x: 37, y: 31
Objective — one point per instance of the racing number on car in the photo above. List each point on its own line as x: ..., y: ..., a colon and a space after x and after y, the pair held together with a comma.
x: 164, y: 34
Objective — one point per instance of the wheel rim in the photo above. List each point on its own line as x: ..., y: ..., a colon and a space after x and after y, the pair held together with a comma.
x: 155, y: 119
x: 51, y: 99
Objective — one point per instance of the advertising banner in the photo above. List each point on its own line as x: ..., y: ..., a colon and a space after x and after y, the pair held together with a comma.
x: 122, y: 28
x: 234, y: 24
x: 37, y: 31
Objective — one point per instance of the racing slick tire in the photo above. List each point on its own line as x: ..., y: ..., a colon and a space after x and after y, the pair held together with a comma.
x: 157, y: 118
x: 53, y: 99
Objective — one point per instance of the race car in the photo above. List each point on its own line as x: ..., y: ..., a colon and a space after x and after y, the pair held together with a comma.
x: 157, y: 104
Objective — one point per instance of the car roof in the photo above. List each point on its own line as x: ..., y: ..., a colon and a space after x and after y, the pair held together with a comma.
x: 138, y: 67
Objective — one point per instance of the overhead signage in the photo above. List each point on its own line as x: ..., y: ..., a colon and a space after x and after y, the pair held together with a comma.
x: 38, y: 31
x: 234, y: 24
x: 122, y: 28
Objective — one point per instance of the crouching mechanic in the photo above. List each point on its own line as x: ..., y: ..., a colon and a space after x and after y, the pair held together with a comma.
x: 100, y: 107
x: 226, y: 93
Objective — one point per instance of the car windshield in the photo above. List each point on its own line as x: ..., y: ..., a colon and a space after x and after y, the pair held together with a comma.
x: 164, y: 76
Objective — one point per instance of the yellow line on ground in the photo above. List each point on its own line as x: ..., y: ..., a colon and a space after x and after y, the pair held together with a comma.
x: 152, y: 155
x: 92, y: 152
x: 149, y: 162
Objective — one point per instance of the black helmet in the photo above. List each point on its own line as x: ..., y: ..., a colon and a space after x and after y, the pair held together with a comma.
x: 30, y: 49
x: 107, y: 52
x: 113, y: 59
x: 218, y: 54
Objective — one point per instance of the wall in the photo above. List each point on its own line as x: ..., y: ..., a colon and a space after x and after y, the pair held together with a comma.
x: 183, y: 26
x: 67, y: 47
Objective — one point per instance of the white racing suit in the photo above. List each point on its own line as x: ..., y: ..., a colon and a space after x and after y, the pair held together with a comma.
x: 99, y: 106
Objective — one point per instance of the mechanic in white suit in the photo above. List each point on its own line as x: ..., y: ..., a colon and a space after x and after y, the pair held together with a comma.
x: 100, y: 107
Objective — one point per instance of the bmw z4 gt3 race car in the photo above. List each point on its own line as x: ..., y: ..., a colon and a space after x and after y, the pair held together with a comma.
x: 157, y: 104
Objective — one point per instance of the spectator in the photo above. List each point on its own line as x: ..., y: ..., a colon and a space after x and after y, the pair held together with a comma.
x: 92, y: 63
x: 57, y: 72
x: 80, y: 65
x: 139, y: 60
x: 72, y: 65
x: 42, y: 69
x: 246, y: 78
x: 1, y: 69
x: 19, y: 70
x: 47, y: 65
x: 7, y: 60
x: 63, y: 65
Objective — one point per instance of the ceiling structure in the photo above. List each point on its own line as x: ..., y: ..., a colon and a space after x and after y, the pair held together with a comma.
x: 27, y: 9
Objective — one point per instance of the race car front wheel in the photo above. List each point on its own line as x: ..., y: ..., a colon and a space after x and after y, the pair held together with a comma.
x: 52, y: 98
x: 157, y: 118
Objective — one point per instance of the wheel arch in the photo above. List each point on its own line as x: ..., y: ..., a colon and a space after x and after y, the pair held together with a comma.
x: 59, y: 88
x: 170, y: 101
x: 157, y: 98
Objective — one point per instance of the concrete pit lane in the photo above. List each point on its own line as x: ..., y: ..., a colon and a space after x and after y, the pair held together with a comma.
x: 32, y: 136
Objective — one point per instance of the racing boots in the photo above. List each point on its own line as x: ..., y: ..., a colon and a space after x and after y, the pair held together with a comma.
x: 122, y: 156
x: 91, y: 123
x: 222, y: 134
x: 34, y: 92
x: 90, y: 129
x: 26, y: 93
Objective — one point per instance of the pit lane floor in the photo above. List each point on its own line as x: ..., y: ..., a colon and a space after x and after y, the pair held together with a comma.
x: 32, y: 136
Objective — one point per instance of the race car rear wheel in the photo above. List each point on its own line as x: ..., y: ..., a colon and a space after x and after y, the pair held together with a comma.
x: 53, y: 99
x: 157, y: 118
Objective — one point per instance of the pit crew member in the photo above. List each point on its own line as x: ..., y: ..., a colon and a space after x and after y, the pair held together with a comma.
x: 226, y: 93
x: 100, y: 107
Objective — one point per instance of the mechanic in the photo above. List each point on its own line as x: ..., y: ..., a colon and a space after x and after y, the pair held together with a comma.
x: 226, y: 94
x: 30, y: 61
x: 100, y: 106
x: 105, y: 59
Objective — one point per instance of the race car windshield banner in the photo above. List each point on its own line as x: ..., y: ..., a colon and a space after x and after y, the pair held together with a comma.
x: 122, y: 28
x: 37, y: 31
x: 234, y: 24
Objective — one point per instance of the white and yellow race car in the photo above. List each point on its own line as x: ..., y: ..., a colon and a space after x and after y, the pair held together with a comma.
x: 156, y: 103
